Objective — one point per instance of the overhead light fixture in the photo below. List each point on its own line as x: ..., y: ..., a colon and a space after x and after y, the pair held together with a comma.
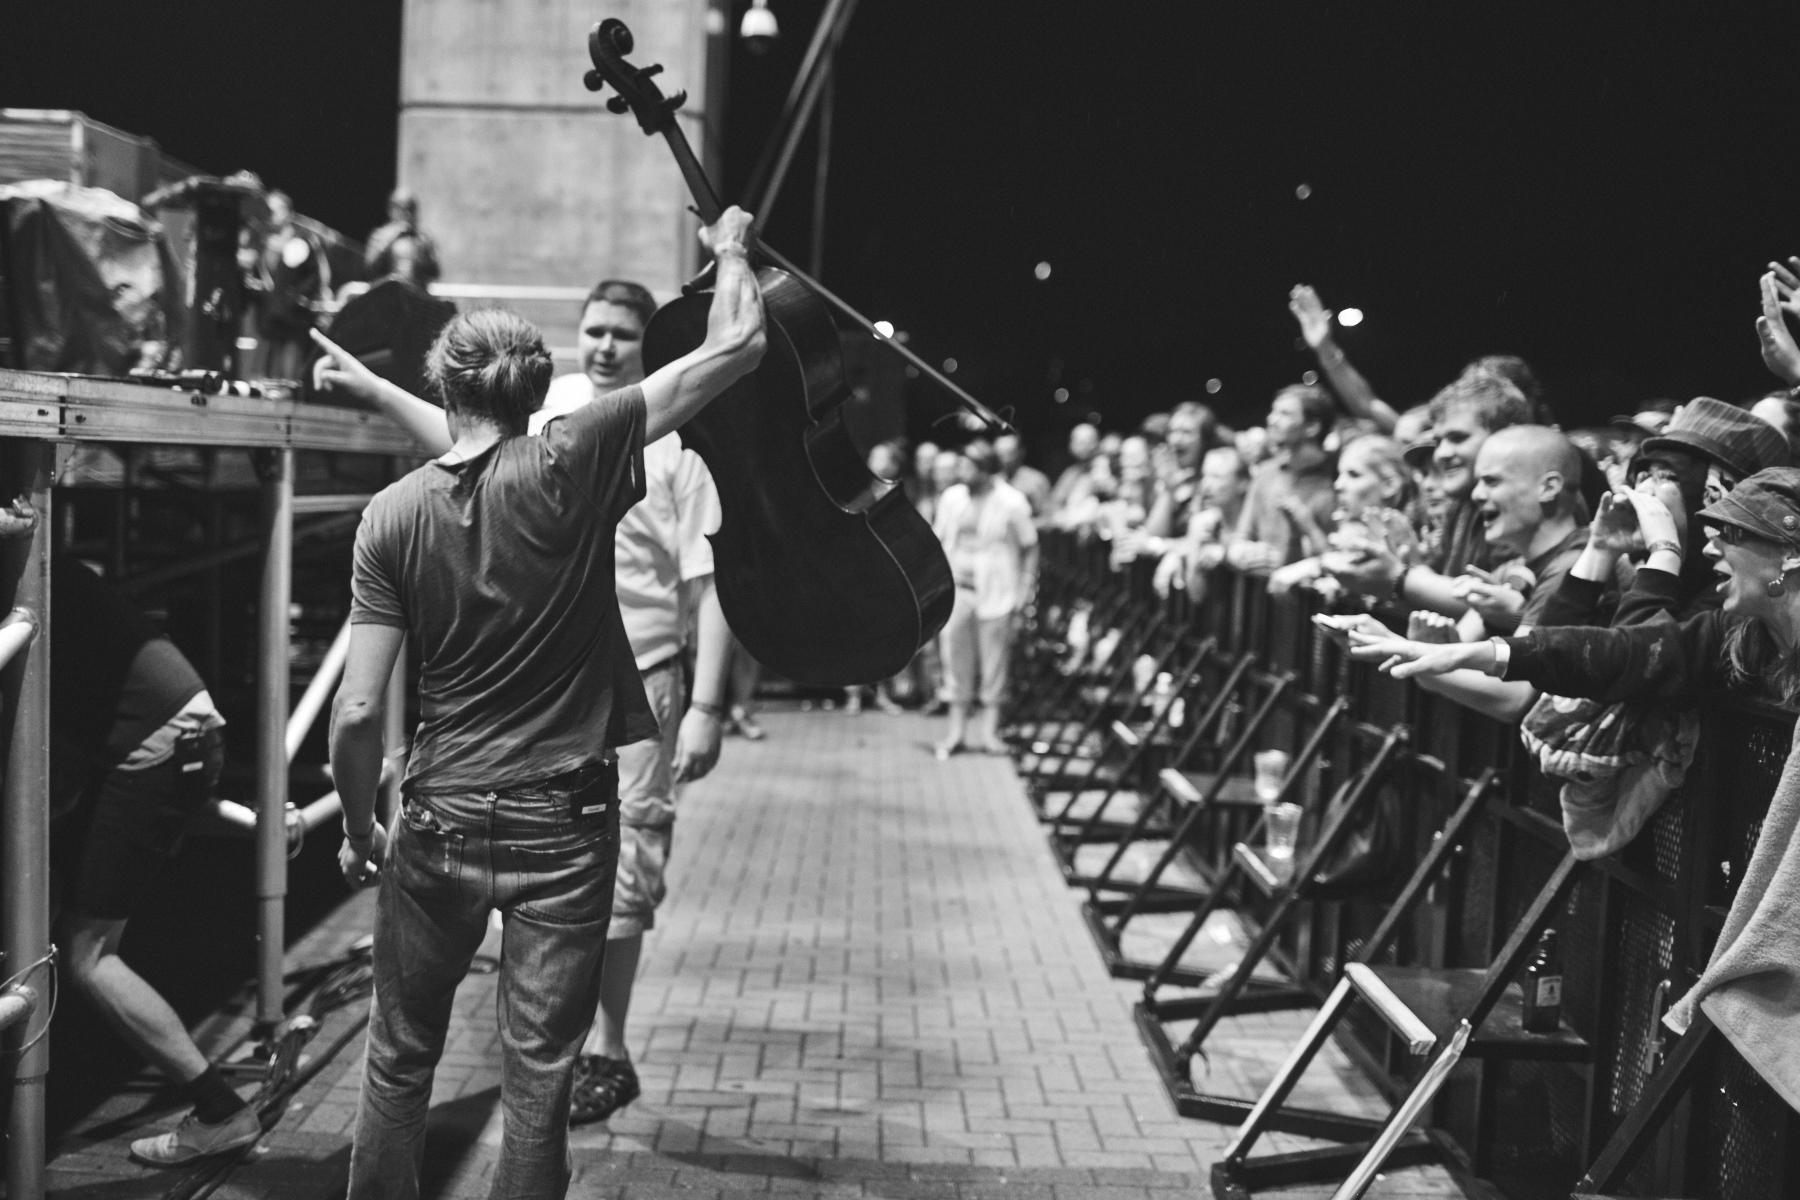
x: 1042, y: 270
x: 885, y: 328
x: 1350, y: 316
x: 759, y: 29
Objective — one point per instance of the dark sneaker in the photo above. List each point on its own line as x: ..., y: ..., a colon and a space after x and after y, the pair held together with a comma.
x: 602, y: 1087
x: 194, y: 1139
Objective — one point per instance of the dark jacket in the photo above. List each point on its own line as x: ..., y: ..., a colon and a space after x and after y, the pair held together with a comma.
x: 1646, y: 655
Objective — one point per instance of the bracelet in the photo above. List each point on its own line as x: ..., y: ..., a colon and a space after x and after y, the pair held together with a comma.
x: 358, y: 837
x: 1400, y: 583
x: 1502, y: 657
x: 1669, y: 544
x: 716, y: 711
x: 729, y: 248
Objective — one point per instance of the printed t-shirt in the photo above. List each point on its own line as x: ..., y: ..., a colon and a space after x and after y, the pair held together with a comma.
x: 500, y: 570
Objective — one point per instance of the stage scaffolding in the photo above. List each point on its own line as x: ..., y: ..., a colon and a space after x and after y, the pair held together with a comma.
x: 45, y: 420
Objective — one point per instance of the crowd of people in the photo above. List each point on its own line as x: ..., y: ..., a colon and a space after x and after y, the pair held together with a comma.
x: 1591, y: 586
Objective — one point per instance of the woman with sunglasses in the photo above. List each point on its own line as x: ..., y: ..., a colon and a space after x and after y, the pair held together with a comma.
x: 1752, y: 642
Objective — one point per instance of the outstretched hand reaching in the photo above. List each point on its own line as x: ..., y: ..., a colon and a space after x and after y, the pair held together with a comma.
x: 1780, y: 295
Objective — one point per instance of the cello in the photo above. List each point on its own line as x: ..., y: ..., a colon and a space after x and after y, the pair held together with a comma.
x: 827, y: 575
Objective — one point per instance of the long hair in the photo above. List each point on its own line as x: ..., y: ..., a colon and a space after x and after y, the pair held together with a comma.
x: 1758, y: 664
x: 1385, y: 459
x: 491, y: 365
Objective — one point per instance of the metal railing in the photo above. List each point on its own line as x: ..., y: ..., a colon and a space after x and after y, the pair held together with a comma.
x: 1635, y: 934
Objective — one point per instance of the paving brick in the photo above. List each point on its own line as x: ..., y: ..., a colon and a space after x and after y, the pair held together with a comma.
x: 869, y: 982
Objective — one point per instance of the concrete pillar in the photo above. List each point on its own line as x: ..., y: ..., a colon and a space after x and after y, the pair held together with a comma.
x: 522, y: 175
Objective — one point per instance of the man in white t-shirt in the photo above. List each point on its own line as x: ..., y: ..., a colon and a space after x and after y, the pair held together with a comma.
x: 990, y: 539
x: 664, y: 567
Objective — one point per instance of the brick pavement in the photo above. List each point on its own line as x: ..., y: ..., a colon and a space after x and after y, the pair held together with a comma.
x: 869, y: 979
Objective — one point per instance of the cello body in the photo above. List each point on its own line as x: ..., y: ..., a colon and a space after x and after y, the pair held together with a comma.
x: 827, y: 575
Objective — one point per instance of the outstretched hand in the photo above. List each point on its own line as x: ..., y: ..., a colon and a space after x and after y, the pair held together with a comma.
x: 1310, y: 311
x: 1779, y: 351
x: 1403, y: 658
x: 340, y: 369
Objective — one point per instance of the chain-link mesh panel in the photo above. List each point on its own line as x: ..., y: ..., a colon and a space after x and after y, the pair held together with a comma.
x: 1643, y: 957
x: 1743, y: 1121
x: 1535, y: 1127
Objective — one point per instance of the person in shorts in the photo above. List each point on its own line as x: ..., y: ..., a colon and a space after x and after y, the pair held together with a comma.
x: 663, y: 568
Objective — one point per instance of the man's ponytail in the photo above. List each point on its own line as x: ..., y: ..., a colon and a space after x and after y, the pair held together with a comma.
x: 491, y: 364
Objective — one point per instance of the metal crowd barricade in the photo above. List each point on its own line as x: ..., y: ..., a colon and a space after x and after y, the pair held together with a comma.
x: 1635, y: 929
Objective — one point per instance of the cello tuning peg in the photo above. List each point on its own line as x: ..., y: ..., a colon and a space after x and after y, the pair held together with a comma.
x: 652, y: 69
x: 618, y: 104
x: 594, y: 81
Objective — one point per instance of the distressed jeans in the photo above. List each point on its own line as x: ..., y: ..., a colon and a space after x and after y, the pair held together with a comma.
x: 451, y: 859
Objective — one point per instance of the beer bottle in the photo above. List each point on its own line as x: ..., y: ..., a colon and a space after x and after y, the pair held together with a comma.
x: 1543, y: 987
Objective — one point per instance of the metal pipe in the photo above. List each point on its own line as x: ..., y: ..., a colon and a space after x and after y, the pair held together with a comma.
x: 318, y: 691
x: 25, y: 813
x: 16, y: 1004
x: 343, y: 524
x: 822, y: 170
x: 336, y: 502
x: 277, y: 470
x: 794, y: 110
x: 16, y: 632
x: 321, y: 810
x: 1403, y: 1117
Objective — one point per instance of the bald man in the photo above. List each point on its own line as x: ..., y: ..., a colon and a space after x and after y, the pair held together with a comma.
x: 1527, y: 496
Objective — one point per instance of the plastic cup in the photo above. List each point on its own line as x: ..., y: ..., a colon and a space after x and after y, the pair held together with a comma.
x: 1281, y: 830
x: 1271, y: 769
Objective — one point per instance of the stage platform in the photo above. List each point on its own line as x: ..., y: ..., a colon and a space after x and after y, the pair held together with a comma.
x: 869, y: 980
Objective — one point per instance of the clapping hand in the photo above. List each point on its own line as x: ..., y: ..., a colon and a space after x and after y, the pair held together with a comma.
x: 1297, y: 574
x: 1430, y: 628
x: 1364, y: 566
x: 1499, y: 604
x: 1310, y: 311
x: 1253, y: 556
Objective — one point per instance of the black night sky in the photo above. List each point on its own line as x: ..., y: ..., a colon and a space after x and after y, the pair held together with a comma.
x: 1593, y: 186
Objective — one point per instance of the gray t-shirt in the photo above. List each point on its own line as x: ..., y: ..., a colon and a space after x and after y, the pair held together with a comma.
x: 500, y: 569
